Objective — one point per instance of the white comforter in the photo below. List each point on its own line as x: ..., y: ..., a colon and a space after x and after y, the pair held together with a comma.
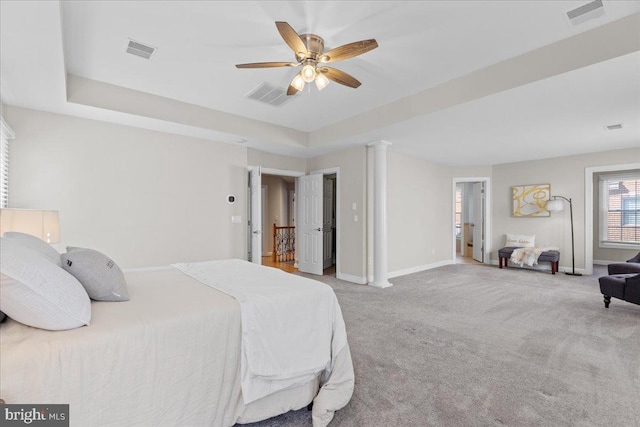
x: 170, y: 356
x: 291, y: 326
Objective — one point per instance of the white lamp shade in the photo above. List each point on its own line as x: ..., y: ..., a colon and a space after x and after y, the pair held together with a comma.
x: 321, y: 81
x: 555, y: 205
x: 40, y: 223
x: 298, y: 82
x: 308, y: 73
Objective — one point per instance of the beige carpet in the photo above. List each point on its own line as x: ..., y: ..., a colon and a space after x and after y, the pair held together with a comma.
x: 469, y: 345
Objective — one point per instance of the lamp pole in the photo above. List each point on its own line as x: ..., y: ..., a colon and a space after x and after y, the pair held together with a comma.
x: 573, y: 256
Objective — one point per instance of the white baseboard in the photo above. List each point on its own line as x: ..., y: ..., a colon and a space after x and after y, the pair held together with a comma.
x: 133, y: 270
x: 545, y: 266
x: 353, y: 279
x: 602, y: 262
x: 569, y: 269
x: 418, y: 268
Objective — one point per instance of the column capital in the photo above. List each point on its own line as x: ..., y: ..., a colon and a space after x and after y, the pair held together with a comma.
x: 379, y: 145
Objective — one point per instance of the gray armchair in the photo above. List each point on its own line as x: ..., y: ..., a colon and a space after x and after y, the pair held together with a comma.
x: 631, y: 266
x: 622, y: 286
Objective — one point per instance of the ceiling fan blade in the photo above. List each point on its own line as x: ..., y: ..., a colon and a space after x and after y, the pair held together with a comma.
x: 340, y: 77
x: 267, y: 65
x: 292, y: 39
x: 349, y: 50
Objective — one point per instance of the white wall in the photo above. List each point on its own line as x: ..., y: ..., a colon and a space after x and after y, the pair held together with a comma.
x: 149, y: 198
x: 144, y: 198
x: 275, y: 161
x: 352, y: 164
x: 420, y: 219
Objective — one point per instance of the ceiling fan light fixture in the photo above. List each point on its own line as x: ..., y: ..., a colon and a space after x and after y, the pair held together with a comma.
x: 298, y: 82
x: 308, y: 72
x: 309, y: 51
x: 321, y: 81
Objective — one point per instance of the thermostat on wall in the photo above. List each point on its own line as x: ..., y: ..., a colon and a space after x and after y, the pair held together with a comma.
x: 231, y: 199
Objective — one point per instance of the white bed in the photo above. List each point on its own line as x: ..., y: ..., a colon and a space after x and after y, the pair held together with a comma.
x: 170, y: 356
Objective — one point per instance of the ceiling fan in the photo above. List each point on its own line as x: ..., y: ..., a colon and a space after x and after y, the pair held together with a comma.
x: 309, y: 51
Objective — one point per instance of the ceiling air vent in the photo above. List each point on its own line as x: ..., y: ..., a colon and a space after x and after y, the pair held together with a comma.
x: 141, y: 50
x: 270, y: 94
x: 614, y: 127
x: 586, y: 12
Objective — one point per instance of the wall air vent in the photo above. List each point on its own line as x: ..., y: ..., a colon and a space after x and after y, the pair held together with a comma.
x: 586, y: 12
x: 270, y: 94
x: 141, y: 50
x: 614, y: 127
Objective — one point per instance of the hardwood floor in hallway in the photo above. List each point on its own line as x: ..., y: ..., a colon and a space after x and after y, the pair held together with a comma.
x: 284, y: 266
x: 289, y: 268
x: 466, y: 260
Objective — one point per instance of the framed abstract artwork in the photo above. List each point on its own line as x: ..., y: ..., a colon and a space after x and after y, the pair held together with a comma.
x: 530, y: 200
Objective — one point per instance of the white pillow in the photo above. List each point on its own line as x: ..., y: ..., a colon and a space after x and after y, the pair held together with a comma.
x: 99, y: 274
x: 38, y: 293
x: 520, y: 241
x: 38, y: 245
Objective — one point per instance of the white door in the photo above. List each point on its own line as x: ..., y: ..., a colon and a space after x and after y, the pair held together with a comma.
x: 309, y: 225
x: 264, y: 219
x: 327, y: 223
x: 478, y: 221
x: 256, y: 215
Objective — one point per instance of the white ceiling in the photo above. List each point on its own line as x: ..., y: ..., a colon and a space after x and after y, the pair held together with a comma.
x: 422, y: 45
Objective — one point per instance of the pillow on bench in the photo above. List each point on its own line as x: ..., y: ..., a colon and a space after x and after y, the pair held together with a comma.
x: 520, y: 241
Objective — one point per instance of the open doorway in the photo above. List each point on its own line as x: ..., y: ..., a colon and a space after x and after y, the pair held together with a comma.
x: 329, y: 220
x: 310, y: 219
x: 271, y: 233
x: 471, y: 220
x: 278, y: 228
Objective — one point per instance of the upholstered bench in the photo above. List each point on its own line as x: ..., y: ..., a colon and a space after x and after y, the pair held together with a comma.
x: 551, y: 256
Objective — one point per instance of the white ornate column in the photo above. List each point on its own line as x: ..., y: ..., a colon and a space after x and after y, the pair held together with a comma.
x: 380, y: 268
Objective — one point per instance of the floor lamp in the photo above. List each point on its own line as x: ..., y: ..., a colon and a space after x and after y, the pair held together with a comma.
x: 556, y: 205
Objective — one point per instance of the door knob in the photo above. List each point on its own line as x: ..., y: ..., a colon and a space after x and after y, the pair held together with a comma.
x: 318, y: 229
x: 256, y: 232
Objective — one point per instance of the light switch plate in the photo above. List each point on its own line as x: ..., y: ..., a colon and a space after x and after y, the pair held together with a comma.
x: 236, y: 219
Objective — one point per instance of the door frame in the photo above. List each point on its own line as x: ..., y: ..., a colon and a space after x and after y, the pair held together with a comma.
x: 265, y: 217
x: 282, y: 172
x: 487, y: 215
x: 336, y: 171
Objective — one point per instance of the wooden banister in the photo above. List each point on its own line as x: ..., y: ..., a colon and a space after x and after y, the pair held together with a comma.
x: 284, y: 243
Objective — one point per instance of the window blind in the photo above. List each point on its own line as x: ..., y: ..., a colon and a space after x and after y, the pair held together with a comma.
x: 5, y: 135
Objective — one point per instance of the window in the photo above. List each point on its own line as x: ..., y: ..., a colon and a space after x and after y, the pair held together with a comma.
x: 5, y: 135
x: 630, y: 210
x: 458, y: 211
x: 620, y: 210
